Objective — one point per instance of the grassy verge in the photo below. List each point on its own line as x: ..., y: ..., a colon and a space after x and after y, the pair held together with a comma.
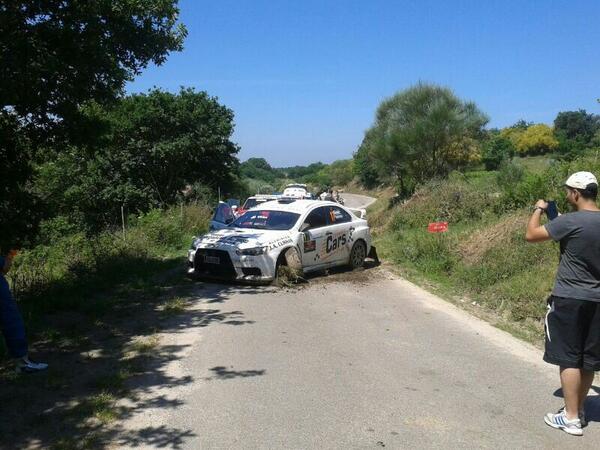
x: 482, y: 263
x: 93, y: 307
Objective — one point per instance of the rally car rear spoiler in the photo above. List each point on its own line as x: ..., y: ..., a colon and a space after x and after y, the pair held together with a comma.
x: 361, y: 213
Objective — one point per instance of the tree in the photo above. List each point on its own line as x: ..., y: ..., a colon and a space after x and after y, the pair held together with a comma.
x: 577, y: 125
x: 514, y: 132
x: 422, y: 132
x: 496, y: 151
x: 57, y: 54
x: 341, y: 172
x: 18, y: 209
x: 258, y: 169
x: 537, y: 139
x: 364, y: 166
x: 154, y: 145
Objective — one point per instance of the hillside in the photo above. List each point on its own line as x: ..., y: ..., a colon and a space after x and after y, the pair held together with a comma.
x: 483, y: 262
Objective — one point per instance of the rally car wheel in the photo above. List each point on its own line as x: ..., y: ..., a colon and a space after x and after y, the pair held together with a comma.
x: 288, y: 268
x: 358, y: 255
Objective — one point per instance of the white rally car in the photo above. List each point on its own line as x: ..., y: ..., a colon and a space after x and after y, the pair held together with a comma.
x: 314, y: 234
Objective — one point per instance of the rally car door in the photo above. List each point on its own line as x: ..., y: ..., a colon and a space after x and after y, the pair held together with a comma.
x: 314, y: 229
x: 338, y: 236
x: 223, y: 216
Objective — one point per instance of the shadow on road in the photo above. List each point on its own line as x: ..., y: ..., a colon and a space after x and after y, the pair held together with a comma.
x: 106, y: 365
x: 223, y: 373
x: 592, y: 404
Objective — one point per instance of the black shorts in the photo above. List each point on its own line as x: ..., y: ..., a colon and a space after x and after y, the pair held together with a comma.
x: 573, y: 333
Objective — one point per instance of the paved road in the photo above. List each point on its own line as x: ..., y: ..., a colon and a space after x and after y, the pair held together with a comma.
x: 356, y: 200
x: 351, y: 360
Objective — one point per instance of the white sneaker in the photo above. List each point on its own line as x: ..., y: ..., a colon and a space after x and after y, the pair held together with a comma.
x: 560, y: 421
x: 25, y: 365
x: 582, y: 418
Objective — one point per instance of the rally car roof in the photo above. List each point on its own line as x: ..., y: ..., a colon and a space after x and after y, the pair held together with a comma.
x: 295, y: 206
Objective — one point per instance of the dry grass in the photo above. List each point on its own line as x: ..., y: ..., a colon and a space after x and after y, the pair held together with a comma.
x: 174, y: 306
x: 473, y: 249
x: 287, y: 277
x: 144, y: 346
x: 379, y: 213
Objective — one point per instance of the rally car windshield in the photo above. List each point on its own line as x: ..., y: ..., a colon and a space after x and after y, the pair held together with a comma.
x: 266, y: 220
x: 252, y: 202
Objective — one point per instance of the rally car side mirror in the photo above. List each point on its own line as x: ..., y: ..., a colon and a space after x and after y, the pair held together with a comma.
x: 304, y: 227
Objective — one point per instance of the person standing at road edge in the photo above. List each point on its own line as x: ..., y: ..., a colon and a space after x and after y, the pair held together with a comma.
x: 12, y: 325
x: 573, y: 319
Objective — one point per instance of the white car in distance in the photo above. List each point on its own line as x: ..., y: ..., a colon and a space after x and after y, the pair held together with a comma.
x: 296, y: 190
x: 314, y: 234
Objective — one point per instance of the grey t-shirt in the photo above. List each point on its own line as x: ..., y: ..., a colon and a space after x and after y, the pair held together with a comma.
x: 578, y: 274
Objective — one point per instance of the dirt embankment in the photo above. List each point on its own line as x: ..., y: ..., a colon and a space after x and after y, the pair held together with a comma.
x: 473, y: 249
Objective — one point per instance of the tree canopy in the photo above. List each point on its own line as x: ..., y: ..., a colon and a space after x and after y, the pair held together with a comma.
x: 423, y: 132
x: 496, y: 151
x: 153, y: 145
x: 57, y: 54
x: 577, y: 125
x: 536, y: 139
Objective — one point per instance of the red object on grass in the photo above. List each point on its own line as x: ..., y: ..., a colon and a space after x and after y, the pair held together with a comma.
x: 437, y: 227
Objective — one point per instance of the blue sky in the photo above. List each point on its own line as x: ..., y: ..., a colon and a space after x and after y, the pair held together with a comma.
x: 304, y: 77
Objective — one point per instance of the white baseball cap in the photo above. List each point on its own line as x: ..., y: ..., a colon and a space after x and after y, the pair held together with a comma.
x: 581, y: 180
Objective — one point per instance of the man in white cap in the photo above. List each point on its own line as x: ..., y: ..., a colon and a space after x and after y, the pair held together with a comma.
x: 573, y: 318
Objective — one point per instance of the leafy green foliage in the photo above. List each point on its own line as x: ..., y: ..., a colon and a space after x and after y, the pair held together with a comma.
x: 364, y: 166
x: 577, y: 125
x: 260, y: 177
x: 152, y: 147
x: 423, y: 132
x: 495, y: 151
x: 258, y: 168
x: 301, y: 172
x: 73, y: 260
x: 576, y: 132
x: 57, y: 54
x: 510, y: 174
x: 341, y: 172
x: 17, y: 208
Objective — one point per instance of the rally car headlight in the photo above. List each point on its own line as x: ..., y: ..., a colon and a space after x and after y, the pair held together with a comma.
x: 255, y: 251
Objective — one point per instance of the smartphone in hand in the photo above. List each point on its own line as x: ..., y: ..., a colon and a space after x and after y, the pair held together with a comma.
x: 552, y: 212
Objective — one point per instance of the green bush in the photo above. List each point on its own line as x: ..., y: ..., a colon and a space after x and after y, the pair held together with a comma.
x: 73, y: 263
x: 496, y: 151
x: 509, y: 174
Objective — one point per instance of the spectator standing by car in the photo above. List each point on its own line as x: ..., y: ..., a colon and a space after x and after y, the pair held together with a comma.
x: 573, y: 317
x: 12, y: 325
x: 327, y: 195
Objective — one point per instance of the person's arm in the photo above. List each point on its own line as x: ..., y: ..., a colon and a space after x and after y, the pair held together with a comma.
x: 4, y: 266
x: 536, y: 232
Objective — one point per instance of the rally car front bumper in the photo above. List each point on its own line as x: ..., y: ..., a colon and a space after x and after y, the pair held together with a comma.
x: 226, y: 265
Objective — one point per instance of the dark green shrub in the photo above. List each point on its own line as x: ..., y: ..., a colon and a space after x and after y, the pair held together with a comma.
x: 509, y: 174
x: 496, y: 151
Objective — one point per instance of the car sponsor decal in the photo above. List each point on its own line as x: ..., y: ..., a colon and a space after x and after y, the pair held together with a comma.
x: 279, y: 243
x: 310, y: 246
x: 335, y: 242
x: 331, y: 245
